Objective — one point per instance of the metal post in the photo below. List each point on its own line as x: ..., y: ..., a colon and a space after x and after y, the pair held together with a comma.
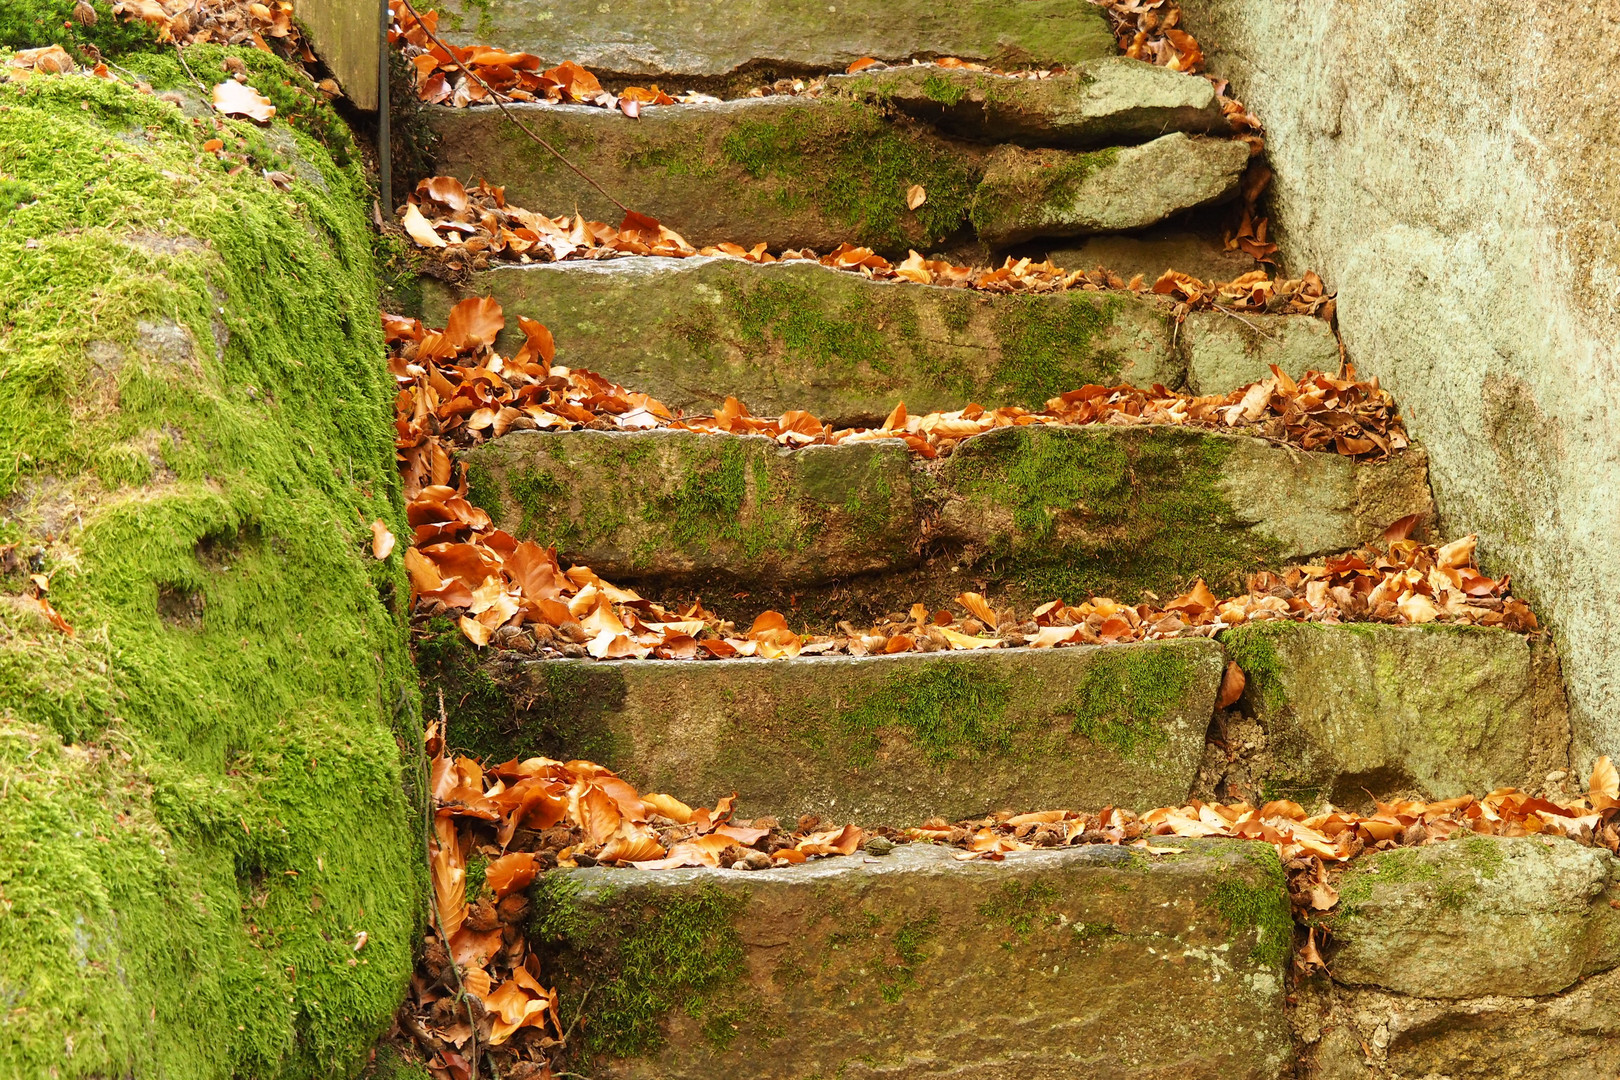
x: 385, y: 153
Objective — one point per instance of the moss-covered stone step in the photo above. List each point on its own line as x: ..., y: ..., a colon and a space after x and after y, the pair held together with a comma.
x: 797, y: 172
x: 877, y: 740
x: 1068, y: 511
x: 697, y: 41
x: 1033, y: 193
x: 1478, y: 916
x: 1436, y: 711
x: 816, y: 172
x: 678, y: 504
x: 1109, y: 102
x: 799, y: 335
x: 1095, y: 962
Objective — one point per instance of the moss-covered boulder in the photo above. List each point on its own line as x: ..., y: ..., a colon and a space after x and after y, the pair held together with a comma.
x: 1478, y: 916
x: 707, y: 39
x: 1065, y: 511
x: 879, y: 740
x: 1086, y: 962
x: 799, y: 335
x: 796, y: 172
x: 1227, y: 350
x: 1034, y: 193
x: 209, y: 864
x: 1435, y: 711
x: 1109, y: 102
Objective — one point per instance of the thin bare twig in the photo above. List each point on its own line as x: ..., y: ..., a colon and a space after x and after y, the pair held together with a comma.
x: 180, y: 56
x: 509, y: 114
x: 438, y: 917
x: 1246, y: 322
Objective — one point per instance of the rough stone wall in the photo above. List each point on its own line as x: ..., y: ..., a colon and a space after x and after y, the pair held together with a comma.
x: 1450, y: 172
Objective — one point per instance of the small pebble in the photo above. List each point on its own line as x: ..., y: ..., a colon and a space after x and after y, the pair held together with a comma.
x: 1556, y: 775
x: 879, y: 845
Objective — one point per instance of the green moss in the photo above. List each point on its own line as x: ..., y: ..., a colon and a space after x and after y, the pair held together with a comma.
x: 646, y: 954
x: 201, y: 814
x: 909, y: 942
x: 1143, y: 508
x: 713, y: 502
x: 548, y: 710
x: 542, y: 500
x: 1253, y: 647
x: 1029, y: 191
x: 31, y: 24
x: 796, y: 318
x: 945, y: 91
x: 1126, y: 697
x: 948, y: 709
x: 1452, y: 882
x: 1020, y: 906
x: 1262, y: 907
x: 855, y: 166
x: 1049, y: 346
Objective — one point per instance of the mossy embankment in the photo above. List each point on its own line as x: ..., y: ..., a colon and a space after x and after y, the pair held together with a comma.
x: 210, y: 864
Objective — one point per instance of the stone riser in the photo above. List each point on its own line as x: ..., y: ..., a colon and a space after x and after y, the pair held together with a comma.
x: 1434, y: 712
x: 1048, y: 511
x: 799, y: 335
x: 705, y: 40
x: 818, y: 172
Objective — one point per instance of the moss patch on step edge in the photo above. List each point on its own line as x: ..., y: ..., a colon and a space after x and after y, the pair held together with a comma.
x: 201, y: 800
x: 498, y: 708
x: 1110, y: 513
x: 1259, y: 906
x: 641, y: 953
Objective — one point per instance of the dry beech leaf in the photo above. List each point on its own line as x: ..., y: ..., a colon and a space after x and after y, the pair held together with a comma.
x: 1605, y: 783
x: 915, y: 196
x: 238, y: 99
x: 1232, y: 683
x: 382, y: 541
x: 420, y: 229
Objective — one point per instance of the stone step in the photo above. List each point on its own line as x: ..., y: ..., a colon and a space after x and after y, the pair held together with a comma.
x: 881, y: 740
x: 1480, y: 957
x: 798, y: 335
x: 1435, y: 711
x: 898, y: 739
x: 1026, y: 194
x: 816, y: 172
x: 1058, y: 511
x: 1115, y: 101
x: 696, y: 42
x: 1092, y: 961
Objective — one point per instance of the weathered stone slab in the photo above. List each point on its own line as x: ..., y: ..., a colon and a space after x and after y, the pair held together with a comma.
x: 679, y: 503
x: 1574, y: 1035
x: 1225, y: 352
x: 1033, y: 193
x: 711, y: 38
x: 1150, y: 253
x: 1084, y: 962
x: 799, y: 335
x: 797, y: 172
x: 1106, y: 102
x: 1478, y: 916
x: 1437, y: 711
x: 1113, y: 510
x: 1067, y: 511
x: 886, y: 739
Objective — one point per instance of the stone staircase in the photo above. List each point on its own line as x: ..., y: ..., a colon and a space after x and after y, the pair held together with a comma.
x: 1094, y: 962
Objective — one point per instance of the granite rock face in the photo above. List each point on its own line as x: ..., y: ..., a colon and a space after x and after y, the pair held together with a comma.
x: 1088, y: 961
x: 1228, y: 351
x: 1479, y: 284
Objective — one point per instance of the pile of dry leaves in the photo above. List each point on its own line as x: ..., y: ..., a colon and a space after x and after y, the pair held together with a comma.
x: 455, y: 390
x: 221, y: 22
x: 476, y: 226
x: 514, y: 821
